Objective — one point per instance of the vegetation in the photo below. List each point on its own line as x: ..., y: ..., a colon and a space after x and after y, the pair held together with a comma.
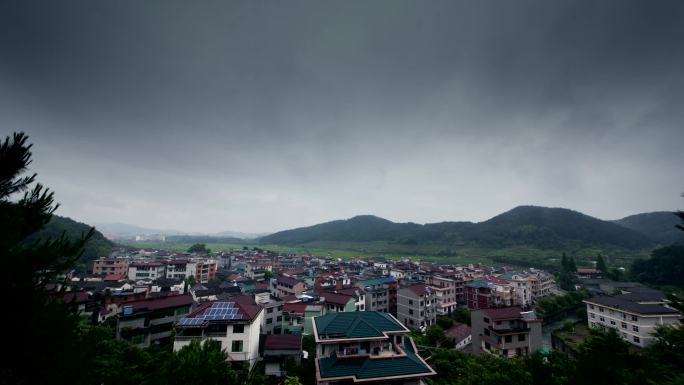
x: 660, y: 226
x: 200, y: 248
x: 539, y: 227
x: 555, y: 304
x: 95, y: 247
x: 604, y: 358
x: 664, y: 268
x: 566, y: 277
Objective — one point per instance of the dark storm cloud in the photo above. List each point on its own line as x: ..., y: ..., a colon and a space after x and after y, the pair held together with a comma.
x: 258, y: 116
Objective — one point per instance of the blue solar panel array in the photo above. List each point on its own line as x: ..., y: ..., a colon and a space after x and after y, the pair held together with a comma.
x: 222, y: 311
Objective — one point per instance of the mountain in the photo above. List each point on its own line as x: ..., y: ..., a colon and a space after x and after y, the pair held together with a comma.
x: 237, y: 234
x: 659, y: 226
x: 97, y: 246
x: 125, y: 230
x: 528, y: 226
x: 128, y: 231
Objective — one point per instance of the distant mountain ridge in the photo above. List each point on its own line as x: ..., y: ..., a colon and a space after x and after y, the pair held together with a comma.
x: 533, y: 226
x: 127, y: 231
x: 658, y: 225
x: 97, y: 246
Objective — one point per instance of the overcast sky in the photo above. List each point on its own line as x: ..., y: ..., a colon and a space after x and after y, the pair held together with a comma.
x: 259, y: 116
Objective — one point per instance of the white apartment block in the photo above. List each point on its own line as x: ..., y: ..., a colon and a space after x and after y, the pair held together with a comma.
x: 634, y: 316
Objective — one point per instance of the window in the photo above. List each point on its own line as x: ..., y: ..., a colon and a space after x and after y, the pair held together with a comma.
x: 612, y: 322
x: 624, y: 325
x: 508, y: 338
x: 411, y: 311
x: 410, y: 302
x: 486, y: 320
x: 279, y: 318
x: 602, y: 319
x: 238, y: 328
x: 486, y: 332
x: 634, y: 318
x: 521, y: 337
x: 421, y: 303
x: 635, y: 328
x: 600, y: 309
x: 237, y: 347
x: 269, y: 310
x: 636, y: 339
x: 269, y: 321
x: 591, y: 306
x: 592, y: 315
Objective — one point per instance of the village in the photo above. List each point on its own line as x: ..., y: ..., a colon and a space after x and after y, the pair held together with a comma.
x: 367, y: 316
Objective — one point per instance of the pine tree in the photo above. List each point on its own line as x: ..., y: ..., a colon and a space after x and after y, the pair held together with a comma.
x: 41, y: 330
x: 601, y: 264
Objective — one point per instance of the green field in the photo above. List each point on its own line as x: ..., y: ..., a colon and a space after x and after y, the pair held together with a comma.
x: 523, y: 256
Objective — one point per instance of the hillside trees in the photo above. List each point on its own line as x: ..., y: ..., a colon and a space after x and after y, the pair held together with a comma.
x: 49, y: 325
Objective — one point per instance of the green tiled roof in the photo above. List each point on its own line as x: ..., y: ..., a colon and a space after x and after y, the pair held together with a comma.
x: 509, y: 275
x: 363, y: 367
x: 359, y: 324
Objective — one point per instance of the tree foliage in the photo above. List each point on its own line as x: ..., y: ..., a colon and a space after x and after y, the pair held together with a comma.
x: 199, y: 248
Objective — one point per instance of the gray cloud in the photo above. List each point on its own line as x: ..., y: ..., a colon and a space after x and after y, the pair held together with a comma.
x: 263, y: 116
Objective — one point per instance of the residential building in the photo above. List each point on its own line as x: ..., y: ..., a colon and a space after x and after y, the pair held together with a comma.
x: 490, y: 292
x: 289, y: 286
x: 180, y: 269
x: 505, y: 332
x: 205, y: 270
x: 273, y: 311
x: 235, y: 324
x: 278, y: 350
x: 445, y: 293
x: 416, y: 306
x: 150, y: 321
x: 115, y: 266
x: 461, y: 334
x: 146, y: 270
x: 366, y: 347
x: 634, y: 316
x: 381, y: 294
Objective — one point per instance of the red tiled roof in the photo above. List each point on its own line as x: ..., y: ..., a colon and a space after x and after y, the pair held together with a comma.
x: 288, y: 280
x: 503, y: 313
x: 418, y: 289
x: 163, y: 302
x: 588, y: 271
x: 112, y: 277
x: 283, y: 342
x: 77, y: 296
x: 337, y: 299
x: 458, y: 332
x: 297, y: 307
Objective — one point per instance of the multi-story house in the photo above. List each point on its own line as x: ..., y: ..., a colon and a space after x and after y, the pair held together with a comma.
x: 289, y: 286
x: 542, y: 284
x: 381, y: 294
x: 273, y: 311
x: 522, y: 286
x: 116, y: 266
x: 180, y: 269
x: 150, y: 321
x: 366, y: 347
x: 490, y: 292
x: 205, y: 270
x: 235, y: 324
x: 416, y: 306
x: 445, y: 293
x: 146, y: 270
x: 634, y: 316
x: 505, y: 332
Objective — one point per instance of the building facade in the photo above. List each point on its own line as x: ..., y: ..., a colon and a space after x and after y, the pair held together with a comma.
x: 416, y: 306
x: 505, y: 332
x: 350, y: 350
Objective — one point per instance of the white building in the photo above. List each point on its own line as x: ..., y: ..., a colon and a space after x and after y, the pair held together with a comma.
x: 236, y: 325
x: 146, y: 270
x: 634, y: 316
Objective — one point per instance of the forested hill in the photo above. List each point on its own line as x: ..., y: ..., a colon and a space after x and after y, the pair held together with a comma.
x: 532, y: 226
x: 97, y: 246
x: 659, y: 226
